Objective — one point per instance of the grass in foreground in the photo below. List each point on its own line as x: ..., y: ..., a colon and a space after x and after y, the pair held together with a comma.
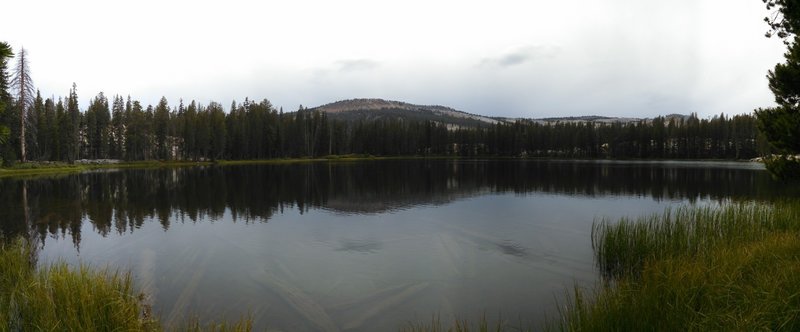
x: 457, y: 325
x: 624, y: 247
x: 59, y: 298
x: 735, y: 267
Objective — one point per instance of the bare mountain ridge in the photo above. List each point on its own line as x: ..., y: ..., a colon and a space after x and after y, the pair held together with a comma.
x: 374, y: 109
x: 606, y: 119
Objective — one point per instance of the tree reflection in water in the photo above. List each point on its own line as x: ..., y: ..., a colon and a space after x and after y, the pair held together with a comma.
x: 121, y: 201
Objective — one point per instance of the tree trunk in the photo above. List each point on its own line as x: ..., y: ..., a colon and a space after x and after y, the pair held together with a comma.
x: 22, y: 129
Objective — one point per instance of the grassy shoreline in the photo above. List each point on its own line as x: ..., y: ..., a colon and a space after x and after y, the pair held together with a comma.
x: 57, y: 168
x: 34, y: 169
x: 58, y: 297
x: 732, y: 267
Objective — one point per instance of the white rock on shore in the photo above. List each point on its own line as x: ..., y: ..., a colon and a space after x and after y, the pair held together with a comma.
x: 98, y: 161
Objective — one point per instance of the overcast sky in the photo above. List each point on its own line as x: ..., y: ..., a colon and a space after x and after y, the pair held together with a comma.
x: 529, y: 58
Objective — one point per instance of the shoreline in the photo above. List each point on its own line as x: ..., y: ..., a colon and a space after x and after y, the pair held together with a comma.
x: 58, y: 168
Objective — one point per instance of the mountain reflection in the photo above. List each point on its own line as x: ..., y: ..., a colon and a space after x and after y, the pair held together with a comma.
x: 121, y: 201
x: 363, y: 246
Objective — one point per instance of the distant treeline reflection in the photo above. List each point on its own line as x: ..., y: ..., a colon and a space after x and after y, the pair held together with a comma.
x: 122, y: 201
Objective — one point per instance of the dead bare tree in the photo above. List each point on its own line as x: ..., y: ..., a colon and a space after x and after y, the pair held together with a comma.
x: 22, y: 84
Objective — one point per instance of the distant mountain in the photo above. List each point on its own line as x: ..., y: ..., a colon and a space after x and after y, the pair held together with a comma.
x: 586, y: 118
x: 605, y: 119
x: 374, y: 109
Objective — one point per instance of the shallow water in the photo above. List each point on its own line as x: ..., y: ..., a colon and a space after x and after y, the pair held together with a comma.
x: 359, y: 246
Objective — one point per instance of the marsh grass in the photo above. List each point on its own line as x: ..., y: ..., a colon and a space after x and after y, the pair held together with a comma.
x: 459, y: 325
x: 31, y: 169
x: 36, y: 169
x: 731, y: 267
x: 747, y: 288
x: 62, y: 298
x: 621, y: 248
x: 57, y: 298
x: 194, y: 325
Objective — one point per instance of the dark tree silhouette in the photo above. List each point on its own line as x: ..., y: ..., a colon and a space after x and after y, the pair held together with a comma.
x: 781, y: 125
x: 5, y: 98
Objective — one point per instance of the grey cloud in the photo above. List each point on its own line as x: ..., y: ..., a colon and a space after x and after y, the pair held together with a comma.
x: 343, y: 67
x: 519, y: 56
x: 356, y: 65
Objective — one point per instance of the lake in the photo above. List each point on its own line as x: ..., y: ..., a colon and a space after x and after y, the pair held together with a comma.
x: 358, y: 246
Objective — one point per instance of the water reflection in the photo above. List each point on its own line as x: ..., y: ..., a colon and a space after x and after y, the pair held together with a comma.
x: 362, y: 246
x: 512, y: 248
x: 120, y: 201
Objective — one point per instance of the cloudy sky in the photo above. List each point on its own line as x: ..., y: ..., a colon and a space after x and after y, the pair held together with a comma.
x: 530, y: 58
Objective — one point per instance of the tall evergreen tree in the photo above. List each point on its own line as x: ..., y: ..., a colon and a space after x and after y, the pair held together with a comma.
x: 117, y: 128
x: 71, y: 127
x: 161, y: 124
x: 218, y: 130
x: 781, y: 124
x: 37, y: 123
x: 60, y: 138
x: 5, y: 97
x: 49, y: 133
x: 98, y: 131
x: 190, y: 133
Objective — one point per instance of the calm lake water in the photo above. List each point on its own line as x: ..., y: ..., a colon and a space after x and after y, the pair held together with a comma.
x: 359, y: 246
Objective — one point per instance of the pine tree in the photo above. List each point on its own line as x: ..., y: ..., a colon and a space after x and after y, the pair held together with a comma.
x: 161, y: 123
x: 136, y: 134
x: 98, y: 131
x: 781, y: 124
x: 71, y: 127
x: 189, y: 134
x: 117, y: 135
x: 217, y: 130
x: 36, y: 138
x: 5, y: 97
x: 59, y: 136
x: 49, y: 135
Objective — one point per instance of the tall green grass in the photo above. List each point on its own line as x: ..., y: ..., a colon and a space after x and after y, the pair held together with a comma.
x: 194, y: 325
x: 460, y: 325
x: 61, y: 298
x: 731, y: 267
x: 621, y: 248
x: 57, y: 298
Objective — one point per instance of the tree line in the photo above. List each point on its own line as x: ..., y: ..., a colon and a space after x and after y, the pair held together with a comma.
x: 56, y: 129
x: 122, y: 128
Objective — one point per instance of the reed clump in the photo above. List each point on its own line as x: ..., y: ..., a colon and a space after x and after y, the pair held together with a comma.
x: 58, y: 297
x: 730, y: 267
x: 460, y: 325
